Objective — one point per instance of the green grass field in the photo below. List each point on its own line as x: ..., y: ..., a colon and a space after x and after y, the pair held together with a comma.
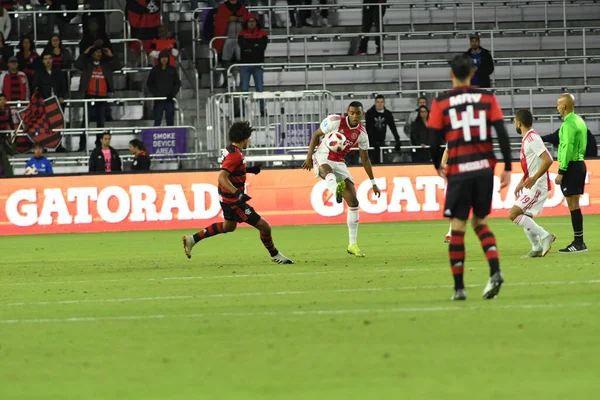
x: 127, y: 316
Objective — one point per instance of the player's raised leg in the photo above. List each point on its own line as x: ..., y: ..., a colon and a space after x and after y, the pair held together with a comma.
x: 456, y: 254
x: 265, y: 236
x: 212, y: 230
x: 352, y: 219
x: 335, y: 188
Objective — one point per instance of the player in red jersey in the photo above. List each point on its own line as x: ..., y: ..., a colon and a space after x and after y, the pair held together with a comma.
x: 232, y: 180
x: 332, y: 168
x: 463, y: 117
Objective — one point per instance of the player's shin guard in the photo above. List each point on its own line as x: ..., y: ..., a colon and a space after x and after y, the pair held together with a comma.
x: 331, y: 183
x: 269, y: 245
x: 456, y: 253
x: 577, y: 222
x: 527, y: 223
x: 490, y: 249
x: 209, y: 231
x: 352, y: 224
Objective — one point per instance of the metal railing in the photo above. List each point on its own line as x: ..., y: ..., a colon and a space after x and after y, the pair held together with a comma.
x: 183, y: 56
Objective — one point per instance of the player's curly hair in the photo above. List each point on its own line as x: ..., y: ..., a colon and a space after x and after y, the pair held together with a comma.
x: 240, y: 131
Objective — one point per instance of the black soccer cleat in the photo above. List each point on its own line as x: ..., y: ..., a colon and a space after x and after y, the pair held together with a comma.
x: 492, y: 288
x: 574, y: 248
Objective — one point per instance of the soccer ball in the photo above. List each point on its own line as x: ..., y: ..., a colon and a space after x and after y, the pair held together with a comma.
x: 31, y: 170
x: 335, y: 141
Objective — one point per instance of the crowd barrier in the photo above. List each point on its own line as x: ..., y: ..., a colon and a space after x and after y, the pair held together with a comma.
x: 189, y: 200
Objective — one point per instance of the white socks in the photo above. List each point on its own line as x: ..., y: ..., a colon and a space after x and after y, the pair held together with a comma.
x: 449, y: 230
x: 331, y: 183
x: 352, y: 224
x: 535, y: 241
x: 533, y: 231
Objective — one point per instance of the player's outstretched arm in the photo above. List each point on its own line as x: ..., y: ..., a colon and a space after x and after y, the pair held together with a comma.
x: 314, y: 141
x: 364, y: 157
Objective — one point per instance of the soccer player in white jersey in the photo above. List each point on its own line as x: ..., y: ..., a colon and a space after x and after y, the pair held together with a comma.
x: 444, y: 161
x: 534, y: 188
x: 331, y: 166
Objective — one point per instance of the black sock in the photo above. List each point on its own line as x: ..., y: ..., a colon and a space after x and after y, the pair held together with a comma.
x: 577, y: 221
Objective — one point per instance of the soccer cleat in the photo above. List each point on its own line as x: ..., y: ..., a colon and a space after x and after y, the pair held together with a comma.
x: 188, y: 243
x: 355, y: 251
x: 534, y: 254
x: 574, y: 248
x: 339, y: 191
x: 447, y: 240
x: 492, y: 288
x: 547, y: 243
x: 459, y: 294
x: 281, y: 259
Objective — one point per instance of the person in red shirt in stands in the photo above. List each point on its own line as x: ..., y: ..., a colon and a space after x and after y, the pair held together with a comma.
x: 61, y: 56
x: 6, y: 119
x: 164, y: 42
x: 14, y: 83
x: 253, y: 43
x: 97, y: 82
x: 29, y: 59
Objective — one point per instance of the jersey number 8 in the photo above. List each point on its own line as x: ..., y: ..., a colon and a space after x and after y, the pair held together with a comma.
x: 467, y: 121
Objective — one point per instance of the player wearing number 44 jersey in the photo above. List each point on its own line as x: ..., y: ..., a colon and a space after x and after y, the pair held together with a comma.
x: 234, y: 201
x: 534, y: 188
x: 463, y: 117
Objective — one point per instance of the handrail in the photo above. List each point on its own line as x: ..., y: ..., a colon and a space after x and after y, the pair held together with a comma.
x: 323, y: 66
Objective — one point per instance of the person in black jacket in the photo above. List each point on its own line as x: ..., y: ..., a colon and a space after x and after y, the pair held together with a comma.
x: 94, y: 35
x: 378, y: 118
x: 419, y: 136
x: 105, y: 158
x: 483, y: 63
x: 6, y: 52
x: 590, y: 151
x: 253, y: 43
x: 50, y: 81
x: 370, y: 17
x: 163, y: 81
x: 141, y: 159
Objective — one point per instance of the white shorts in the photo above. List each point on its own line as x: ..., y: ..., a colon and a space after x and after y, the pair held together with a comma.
x: 340, y: 169
x: 532, y: 200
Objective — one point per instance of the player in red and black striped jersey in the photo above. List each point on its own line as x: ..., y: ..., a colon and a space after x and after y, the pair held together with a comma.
x: 463, y: 117
x: 234, y: 201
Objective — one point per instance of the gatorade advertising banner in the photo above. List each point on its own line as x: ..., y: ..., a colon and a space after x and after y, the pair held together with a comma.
x: 189, y: 200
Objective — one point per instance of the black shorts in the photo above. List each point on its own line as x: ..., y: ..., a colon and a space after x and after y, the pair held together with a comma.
x: 240, y: 213
x: 466, y: 193
x: 573, y: 180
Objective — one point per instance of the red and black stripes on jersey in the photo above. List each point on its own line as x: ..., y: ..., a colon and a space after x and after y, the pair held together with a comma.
x: 234, y: 163
x: 463, y: 118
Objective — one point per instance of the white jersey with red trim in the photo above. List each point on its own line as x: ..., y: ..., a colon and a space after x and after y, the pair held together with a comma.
x: 532, y: 147
x: 356, y: 135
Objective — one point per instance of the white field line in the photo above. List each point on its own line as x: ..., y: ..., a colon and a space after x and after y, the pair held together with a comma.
x: 280, y: 293
x: 177, y: 278
x: 299, y: 313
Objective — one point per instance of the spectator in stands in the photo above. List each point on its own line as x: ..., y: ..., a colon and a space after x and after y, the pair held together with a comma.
x: 60, y: 21
x: 483, y: 63
x: 14, y: 83
x: 141, y: 159
x: 590, y: 151
x: 6, y: 116
x: 372, y: 16
x: 6, y: 52
x: 97, y: 81
x: 61, y: 56
x: 419, y: 136
x: 253, y: 43
x: 29, y: 60
x: 164, y: 41
x: 5, y: 22
x: 105, y: 158
x: 144, y: 18
x: 98, y: 17
x: 94, y: 35
x: 7, y: 149
x: 378, y: 118
x: 228, y: 22
x: 163, y: 81
x: 50, y: 81
x: 421, y: 101
x: 41, y: 163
